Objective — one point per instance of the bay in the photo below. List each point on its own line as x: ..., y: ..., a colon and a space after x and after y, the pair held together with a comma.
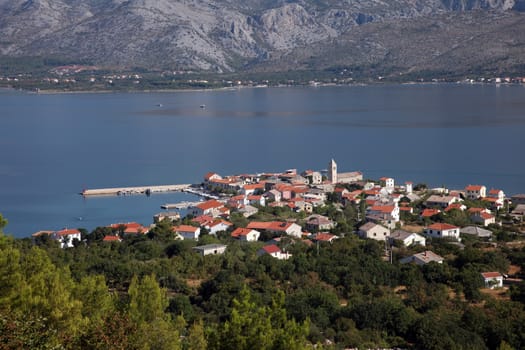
x: 55, y: 145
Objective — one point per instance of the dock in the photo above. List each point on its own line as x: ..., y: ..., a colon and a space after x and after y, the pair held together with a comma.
x: 116, y: 191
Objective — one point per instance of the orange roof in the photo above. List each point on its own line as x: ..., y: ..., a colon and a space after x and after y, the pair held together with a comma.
x: 476, y: 210
x: 272, y: 248
x: 491, y: 274
x: 430, y: 212
x: 210, y: 204
x: 241, y: 232
x: 210, y: 175
x: 383, y: 208
x: 494, y: 191
x: 220, y: 221
x: 442, y: 226
x: 410, y: 209
x: 486, y: 216
x: 254, y: 198
x: 254, y: 186
x: 66, y: 232
x: 270, y: 225
x: 111, y: 238
x: 126, y: 225
x: 202, y: 219
x: 323, y: 236
x: 454, y: 206
x: 184, y: 228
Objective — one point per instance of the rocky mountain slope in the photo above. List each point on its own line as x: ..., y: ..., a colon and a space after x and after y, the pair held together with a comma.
x: 233, y: 35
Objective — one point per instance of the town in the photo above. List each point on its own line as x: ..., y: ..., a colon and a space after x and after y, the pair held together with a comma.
x: 310, y: 207
x: 314, y: 259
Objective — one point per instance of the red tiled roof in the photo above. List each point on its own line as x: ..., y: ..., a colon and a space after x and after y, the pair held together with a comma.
x: 430, y: 212
x: 126, y: 225
x: 202, y: 219
x: 184, y: 228
x: 210, y: 204
x: 241, y: 232
x: 66, y: 232
x: 209, y: 175
x: 453, y: 206
x: 491, y: 274
x: 494, y: 191
x: 473, y: 188
x: 111, y: 238
x: 254, y: 186
x: 442, y: 226
x: 383, y: 208
x: 486, y: 216
x: 272, y: 248
x: 325, y: 237
x: 476, y: 210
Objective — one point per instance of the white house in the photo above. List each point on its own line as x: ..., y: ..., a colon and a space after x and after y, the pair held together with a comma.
x: 388, y: 211
x: 210, y: 207
x: 187, y: 232
x: 387, y: 182
x: 475, y: 191
x: 441, y: 230
x: 218, y: 225
x: 66, y: 237
x: 274, y: 251
x: 492, y: 279
x: 407, y: 238
x: 210, y: 249
x: 256, y: 200
x: 422, y: 258
x: 318, y: 222
x: 373, y: 231
x: 497, y: 194
x: 246, y: 234
x: 440, y: 201
x: 277, y: 227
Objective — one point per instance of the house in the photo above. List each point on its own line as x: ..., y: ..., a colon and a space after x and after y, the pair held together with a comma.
x: 407, y: 238
x: 246, y: 234
x: 318, y: 222
x: 256, y: 200
x: 129, y: 228
x: 497, y: 194
x: 187, y: 232
x: 442, y: 230
x: 212, y: 176
x: 428, y: 213
x: 373, y: 231
x: 273, y: 251
x: 422, y: 258
x: 202, y: 220
x: 218, y: 225
x: 277, y: 227
x: 476, y: 231
x: 409, y: 187
x: 250, y: 189
x: 483, y: 218
x: 210, y: 207
x: 323, y: 237
x: 210, y: 249
x: 237, y: 201
x: 170, y: 215
x: 519, y: 211
x: 492, y: 279
x: 387, y: 182
x: 438, y: 201
x: 475, y: 192
x: 313, y: 177
x: 248, y: 210
x: 390, y: 212
x: 66, y: 237
x: 274, y: 195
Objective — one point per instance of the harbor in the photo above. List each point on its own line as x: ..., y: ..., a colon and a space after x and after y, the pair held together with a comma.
x: 117, y: 191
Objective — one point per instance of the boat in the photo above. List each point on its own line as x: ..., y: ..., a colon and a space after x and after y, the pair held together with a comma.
x: 202, y: 106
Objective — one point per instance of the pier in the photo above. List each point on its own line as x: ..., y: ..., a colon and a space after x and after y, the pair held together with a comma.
x: 134, y: 190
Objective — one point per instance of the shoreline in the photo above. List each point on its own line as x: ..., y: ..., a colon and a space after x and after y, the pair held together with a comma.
x: 221, y: 89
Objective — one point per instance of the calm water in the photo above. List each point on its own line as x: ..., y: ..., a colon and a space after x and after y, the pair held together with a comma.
x: 56, y: 145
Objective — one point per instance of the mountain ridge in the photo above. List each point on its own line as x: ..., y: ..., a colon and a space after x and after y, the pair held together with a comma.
x: 400, y: 36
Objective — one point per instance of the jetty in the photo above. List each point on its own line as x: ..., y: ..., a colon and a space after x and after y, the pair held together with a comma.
x: 117, y: 191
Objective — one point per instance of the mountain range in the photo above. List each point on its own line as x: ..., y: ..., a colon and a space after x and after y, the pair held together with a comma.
x: 392, y: 37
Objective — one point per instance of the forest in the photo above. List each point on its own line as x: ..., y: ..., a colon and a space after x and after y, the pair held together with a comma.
x: 154, y: 292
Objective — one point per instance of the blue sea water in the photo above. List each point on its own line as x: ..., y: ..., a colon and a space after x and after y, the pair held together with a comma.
x: 53, y: 146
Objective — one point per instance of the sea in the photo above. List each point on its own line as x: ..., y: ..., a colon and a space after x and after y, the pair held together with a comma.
x: 55, y: 145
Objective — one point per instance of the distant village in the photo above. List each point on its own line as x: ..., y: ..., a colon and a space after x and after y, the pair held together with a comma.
x: 398, y: 215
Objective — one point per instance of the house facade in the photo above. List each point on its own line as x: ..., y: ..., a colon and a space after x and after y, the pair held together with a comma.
x: 374, y: 231
x: 246, y: 234
x: 210, y: 249
x: 407, y: 238
x: 441, y: 230
x: 187, y: 232
x: 492, y: 279
x: 66, y: 237
x: 474, y: 192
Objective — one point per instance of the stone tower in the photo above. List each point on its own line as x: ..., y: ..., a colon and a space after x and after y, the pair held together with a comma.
x: 332, y: 171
